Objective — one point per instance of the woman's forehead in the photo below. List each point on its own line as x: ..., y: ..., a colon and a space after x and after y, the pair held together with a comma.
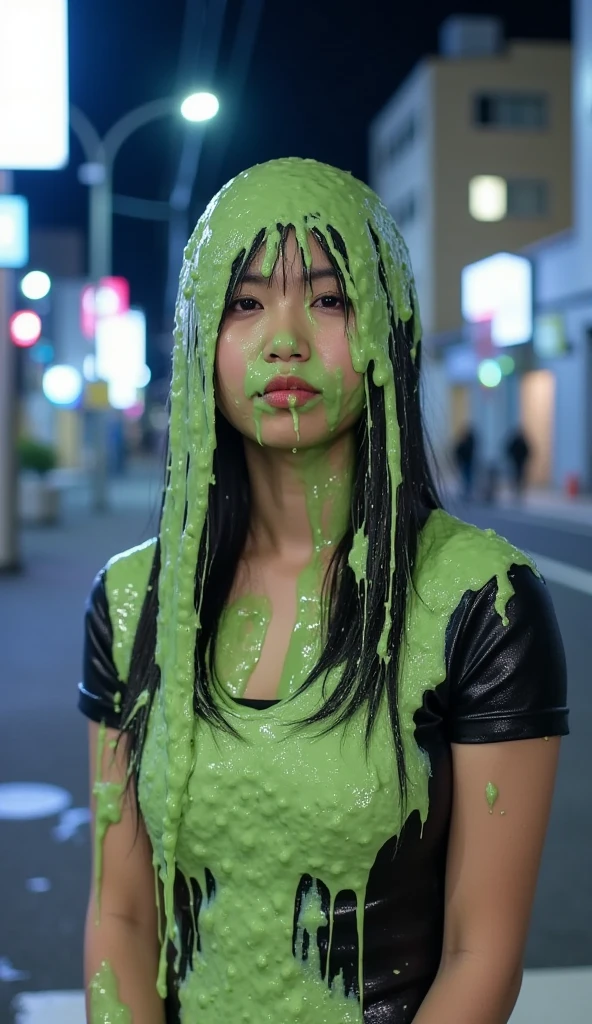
x: 290, y: 258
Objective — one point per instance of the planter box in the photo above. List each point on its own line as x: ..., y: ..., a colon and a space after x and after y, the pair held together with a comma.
x: 38, y: 500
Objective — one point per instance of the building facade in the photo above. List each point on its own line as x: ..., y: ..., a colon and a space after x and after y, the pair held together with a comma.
x: 472, y: 156
x: 563, y: 289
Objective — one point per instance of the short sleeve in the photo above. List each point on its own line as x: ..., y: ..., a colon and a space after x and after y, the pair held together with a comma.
x: 97, y: 693
x: 506, y: 682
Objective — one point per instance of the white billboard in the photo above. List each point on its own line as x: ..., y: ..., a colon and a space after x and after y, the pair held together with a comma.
x: 121, y: 356
x: 34, y: 115
x: 499, y: 288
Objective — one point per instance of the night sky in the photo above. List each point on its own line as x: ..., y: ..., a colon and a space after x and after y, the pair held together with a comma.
x: 319, y: 72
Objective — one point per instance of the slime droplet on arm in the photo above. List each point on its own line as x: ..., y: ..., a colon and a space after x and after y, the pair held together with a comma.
x: 491, y: 795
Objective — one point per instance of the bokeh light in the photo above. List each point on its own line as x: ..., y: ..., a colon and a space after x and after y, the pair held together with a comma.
x: 489, y: 373
x: 36, y: 285
x: 62, y: 385
x: 25, y: 328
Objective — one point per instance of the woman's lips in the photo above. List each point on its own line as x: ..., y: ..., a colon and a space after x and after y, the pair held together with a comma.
x: 288, y: 392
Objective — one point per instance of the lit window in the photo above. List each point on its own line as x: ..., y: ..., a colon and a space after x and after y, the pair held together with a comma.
x: 488, y: 197
x: 511, y: 110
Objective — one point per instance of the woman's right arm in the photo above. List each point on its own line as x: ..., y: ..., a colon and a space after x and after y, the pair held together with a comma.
x: 126, y: 935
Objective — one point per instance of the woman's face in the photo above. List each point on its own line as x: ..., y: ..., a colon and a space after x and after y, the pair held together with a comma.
x: 284, y: 375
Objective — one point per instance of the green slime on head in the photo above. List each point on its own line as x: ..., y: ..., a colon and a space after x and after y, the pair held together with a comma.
x: 306, y: 195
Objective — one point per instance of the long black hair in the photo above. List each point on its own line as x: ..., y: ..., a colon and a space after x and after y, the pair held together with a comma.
x: 355, y: 615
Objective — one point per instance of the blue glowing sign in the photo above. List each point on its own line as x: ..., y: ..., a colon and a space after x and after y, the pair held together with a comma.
x: 14, y: 231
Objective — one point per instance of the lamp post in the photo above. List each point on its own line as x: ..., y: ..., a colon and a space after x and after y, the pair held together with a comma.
x: 9, y: 554
x: 97, y: 174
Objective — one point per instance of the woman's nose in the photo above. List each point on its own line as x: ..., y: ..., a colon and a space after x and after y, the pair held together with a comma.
x: 286, y: 345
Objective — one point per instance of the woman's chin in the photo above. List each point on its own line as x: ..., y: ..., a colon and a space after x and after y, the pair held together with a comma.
x: 280, y: 437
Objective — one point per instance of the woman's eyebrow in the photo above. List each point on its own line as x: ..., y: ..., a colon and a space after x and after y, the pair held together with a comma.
x: 253, y: 277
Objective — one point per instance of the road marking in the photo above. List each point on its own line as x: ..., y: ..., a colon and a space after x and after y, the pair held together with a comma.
x: 564, y: 574
x: 21, y: 801
x: 49, y: 1008
x: 547, y: 997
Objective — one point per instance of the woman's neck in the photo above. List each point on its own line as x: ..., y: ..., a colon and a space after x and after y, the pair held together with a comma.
x: 300, y: 501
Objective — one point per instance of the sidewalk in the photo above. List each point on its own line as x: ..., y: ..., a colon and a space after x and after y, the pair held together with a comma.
x: 545, y: 503
x: 43, y: 737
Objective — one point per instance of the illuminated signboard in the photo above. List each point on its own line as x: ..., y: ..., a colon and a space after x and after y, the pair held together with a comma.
x: 110, y: 298
x: 34, y: 115
x: 14, y: 231
x: 499, y: 289
x: 121, y: 356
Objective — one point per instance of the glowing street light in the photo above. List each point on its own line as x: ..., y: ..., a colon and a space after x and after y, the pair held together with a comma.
x: 62, y: 385
x: 36, y: 285
x: 200, y: 106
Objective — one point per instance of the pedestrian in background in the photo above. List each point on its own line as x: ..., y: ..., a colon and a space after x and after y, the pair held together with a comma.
x: 465, y: 456
x: 518, y: 453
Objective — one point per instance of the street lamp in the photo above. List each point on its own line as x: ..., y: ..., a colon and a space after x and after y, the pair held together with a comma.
x: 100, y: 156
x: 200, y: 106
x: 97, y: 174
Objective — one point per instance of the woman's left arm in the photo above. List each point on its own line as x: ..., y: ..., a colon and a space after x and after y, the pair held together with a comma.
x: 492, y: 867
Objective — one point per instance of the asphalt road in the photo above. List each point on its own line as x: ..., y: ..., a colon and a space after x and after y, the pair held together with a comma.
x: 45, y: 860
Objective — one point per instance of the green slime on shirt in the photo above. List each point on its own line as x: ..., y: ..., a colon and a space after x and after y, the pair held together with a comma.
x: 264, y: 806
x: 275, y: 802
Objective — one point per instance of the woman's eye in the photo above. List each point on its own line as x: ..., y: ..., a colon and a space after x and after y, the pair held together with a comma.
x: 328, y: 302
x: 245, y: 305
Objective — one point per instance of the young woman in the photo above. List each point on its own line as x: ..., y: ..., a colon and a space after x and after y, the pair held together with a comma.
x: 324, y: 713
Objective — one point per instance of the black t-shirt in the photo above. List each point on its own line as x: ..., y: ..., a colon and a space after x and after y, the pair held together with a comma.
x: 503, y: 682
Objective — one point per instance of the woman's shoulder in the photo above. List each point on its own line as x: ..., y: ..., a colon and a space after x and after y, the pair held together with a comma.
x: 126, y: 574
x: 133, y: 563
x: 122, y: 584
x: 453, y: 550
x: 123, y: 578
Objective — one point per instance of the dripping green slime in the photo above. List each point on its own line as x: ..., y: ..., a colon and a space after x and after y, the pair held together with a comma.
x: 286, y: 802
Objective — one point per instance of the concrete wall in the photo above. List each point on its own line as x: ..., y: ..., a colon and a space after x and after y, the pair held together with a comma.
x: 563, y: 277
x: 582, y: 113
x: 463, y: 150
x: 410, y: 175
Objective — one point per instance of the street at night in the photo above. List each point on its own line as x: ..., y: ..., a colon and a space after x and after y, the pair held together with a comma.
x: 276, y: 280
